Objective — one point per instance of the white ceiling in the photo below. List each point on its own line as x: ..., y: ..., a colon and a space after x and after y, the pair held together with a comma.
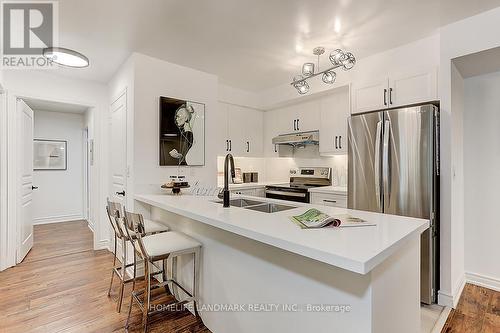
x: 42, y: 105
x: 252, y: 45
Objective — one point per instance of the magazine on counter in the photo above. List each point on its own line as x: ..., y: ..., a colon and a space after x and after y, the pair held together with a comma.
x: 314, y: 219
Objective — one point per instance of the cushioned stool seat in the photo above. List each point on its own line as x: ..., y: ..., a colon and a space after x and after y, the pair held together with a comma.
x: 168, y: 242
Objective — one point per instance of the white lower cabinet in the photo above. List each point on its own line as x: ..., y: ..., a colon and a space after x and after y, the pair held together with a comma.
x: 327, y: 199
x: 253, y: 192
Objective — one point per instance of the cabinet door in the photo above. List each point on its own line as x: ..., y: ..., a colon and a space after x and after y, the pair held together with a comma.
x: 334, y: 110
x: 254, y: 132
x: 236, y: 130
x: 370, y: 95
x: 307, y: 116
x: 222, y: 135
x: 275, y: 124
x: 414, y: 87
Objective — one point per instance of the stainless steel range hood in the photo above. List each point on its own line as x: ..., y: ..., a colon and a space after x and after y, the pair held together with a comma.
x: 297, y: 139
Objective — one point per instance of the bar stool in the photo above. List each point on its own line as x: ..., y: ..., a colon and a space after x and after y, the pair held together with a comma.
x: 160, y: 247
x: 114, y: 211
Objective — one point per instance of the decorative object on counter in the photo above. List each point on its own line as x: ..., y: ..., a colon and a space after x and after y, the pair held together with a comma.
x: 238, y: 178
x: 182, y: 132
x: 50, y: 154
x: 254, y: 177
x: 247, y: 177
x: 314, y: 219
x: 338, y: 58
x: 175, y: 184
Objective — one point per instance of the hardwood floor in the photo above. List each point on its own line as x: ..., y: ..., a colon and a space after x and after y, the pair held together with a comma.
x: 62, y: 287
x: 478, y: 311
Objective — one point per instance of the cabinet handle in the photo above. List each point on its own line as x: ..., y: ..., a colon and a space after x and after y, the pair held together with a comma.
x: 230, y: 145
x: 385, y: 96
x: 248, y: 147
x: 295, y: 124
x: 390, y: 96
x: 340, y: 142
x: 336, y: 142
x: 331, y: 201
x: 298, y: 129
x: 275, y: 149
x: 227, y: 145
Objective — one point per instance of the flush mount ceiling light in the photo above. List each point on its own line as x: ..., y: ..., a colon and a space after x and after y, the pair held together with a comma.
x: 338, y: 58
x: 66, y: 57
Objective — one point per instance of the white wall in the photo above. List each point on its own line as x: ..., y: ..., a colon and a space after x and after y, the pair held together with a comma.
x: 471, y: 35
x: 482, y: 178
x: 60, y: 192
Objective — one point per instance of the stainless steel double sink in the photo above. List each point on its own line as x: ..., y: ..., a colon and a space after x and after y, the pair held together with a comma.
x: 260, y: 206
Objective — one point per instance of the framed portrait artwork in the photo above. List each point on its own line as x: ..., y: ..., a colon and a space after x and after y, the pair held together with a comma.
x: 182, y: 132
x: 50, y: 154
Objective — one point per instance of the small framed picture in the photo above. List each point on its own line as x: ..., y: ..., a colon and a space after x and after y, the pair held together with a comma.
x: 50, y: 154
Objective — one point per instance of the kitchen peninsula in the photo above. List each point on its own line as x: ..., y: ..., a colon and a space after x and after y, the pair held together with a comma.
x: 357, y: 279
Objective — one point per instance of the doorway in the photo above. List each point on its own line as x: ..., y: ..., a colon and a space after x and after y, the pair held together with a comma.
x: 56, y: 153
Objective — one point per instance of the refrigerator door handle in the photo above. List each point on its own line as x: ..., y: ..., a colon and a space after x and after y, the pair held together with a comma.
x: 385, y: 162
x: 377, y: 164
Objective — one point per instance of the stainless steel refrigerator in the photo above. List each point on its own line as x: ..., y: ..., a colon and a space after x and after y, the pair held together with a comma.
x: 394, y: 169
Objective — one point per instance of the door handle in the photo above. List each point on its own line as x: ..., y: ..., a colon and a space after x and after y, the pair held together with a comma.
x: 390, y: 96
x: 377, y: 165
x: 298, y: 129
x: 34, y: 188
x: 122, y: 193
x: 248, y: 146
x: 385, y: 163
x: 336, y: 142
x: 385, y: 96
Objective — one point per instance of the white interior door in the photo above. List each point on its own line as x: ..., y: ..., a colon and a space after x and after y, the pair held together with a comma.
x: 25, y: 180
x: 118, y: 149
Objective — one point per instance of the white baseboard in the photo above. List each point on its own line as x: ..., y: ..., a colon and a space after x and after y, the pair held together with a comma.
x: 57, y: 219
x: 91, y: 226
x: 451, y: 301
x: 483, y: 281
x: 103, y: 244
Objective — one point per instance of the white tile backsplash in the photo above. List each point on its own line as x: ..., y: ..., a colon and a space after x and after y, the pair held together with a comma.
x: 276, y: 168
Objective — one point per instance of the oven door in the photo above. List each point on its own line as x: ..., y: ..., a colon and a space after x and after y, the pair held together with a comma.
x: 290, y: 194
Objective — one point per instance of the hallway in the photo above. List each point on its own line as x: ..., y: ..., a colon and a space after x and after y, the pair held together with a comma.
x: 61, y: 287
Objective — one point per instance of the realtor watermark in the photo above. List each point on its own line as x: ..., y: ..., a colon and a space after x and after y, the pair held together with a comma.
x: 27, y: 28
x: 255, y: 307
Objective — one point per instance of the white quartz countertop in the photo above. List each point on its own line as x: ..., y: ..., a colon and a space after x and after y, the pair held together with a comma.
x: 329, y: 190
x: 357, y: 249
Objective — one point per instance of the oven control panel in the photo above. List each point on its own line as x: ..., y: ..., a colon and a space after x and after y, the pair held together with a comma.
x: 313, y: 172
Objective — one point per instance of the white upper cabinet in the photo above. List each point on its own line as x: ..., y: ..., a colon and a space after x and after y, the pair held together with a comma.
x: 411, y: 88
x: 242, y: 130
x: 370, y: 95
x: 253, y: 122
x: 402, y: 89
x: 334, y: 110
